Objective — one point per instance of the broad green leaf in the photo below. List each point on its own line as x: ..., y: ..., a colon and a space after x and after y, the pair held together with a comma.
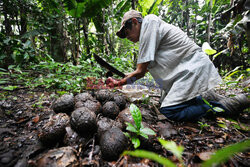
x: 127, y: 134
x: 207, y: 102
x: 77, y: 12
x: 61, y: 92
x: 3, y: 81
x: 2, y: 69
x: 144, y: 135
x: 3, y: 73
x: 225, y: 153
x: 239, y: 125
x: 171, y: 146
x: 6, y: 41
x: 131, y: 128
x: 9, y: 87
x: 150, y: 155
x: 207, y: 49
x: 154, y: 8
x: 147, y: 131
x: 223, y: 125
x: 122, y: 7
x: 208, y: 2
x: 223, y: 51
x: 136, y: 142
x: 218, y: 109
x: 136, y: 114
x: 27, y: 44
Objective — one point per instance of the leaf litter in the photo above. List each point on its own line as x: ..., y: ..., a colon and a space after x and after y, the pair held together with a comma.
x: 23, y: 113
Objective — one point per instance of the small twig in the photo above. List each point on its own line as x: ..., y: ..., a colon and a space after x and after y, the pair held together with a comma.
x: 156, y: 110
x: 240, y: 133
x: 240, y: 125
x: 159, y: 113
x: 120, y: 161
x: 92, y: 150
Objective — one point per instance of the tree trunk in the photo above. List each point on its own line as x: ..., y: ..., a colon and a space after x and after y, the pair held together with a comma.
x: 8, y: 32
x: 187, y: 18
x: 86, y: 39
x: 57, y: 48
x: 248, y: 36
x: 209, y: 21
x: 133, y: 4
x: 6, y: 22
x: 195, y: 21
x: 23, y: 19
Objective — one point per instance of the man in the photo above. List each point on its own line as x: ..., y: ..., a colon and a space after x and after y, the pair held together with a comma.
x: 179, y: 66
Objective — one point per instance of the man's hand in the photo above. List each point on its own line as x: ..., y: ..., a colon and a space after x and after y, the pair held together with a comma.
x: 111, y: 83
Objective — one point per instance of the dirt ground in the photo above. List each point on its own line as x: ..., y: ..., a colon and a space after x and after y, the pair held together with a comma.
x: 23, y: 111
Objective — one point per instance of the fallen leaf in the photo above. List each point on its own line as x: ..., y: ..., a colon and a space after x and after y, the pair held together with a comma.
x: 36, y: 119
x: 219, y: 140
x: 205, y: 155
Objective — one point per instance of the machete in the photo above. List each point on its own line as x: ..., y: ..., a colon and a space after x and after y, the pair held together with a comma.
x: 108, y: 66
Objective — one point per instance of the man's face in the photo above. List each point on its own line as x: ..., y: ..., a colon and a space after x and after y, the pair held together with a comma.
x: 133, y: 34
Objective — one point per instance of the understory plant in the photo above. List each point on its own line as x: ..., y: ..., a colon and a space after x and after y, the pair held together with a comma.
x: 202, y: 126
x: 138, y: 129
x: 220, y: 156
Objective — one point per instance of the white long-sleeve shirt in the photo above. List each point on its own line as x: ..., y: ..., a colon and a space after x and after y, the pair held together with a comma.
x: 177, y: 64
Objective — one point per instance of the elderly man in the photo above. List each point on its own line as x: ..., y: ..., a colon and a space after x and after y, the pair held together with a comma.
x: 179, y: 66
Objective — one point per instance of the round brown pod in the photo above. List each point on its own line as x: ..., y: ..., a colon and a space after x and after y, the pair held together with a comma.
x: 113, y: 142
x: 64, y: 104
x: 83, y: 97
x: 125, y: 116
x: 79, y: 104
x: 54, y: 129
x: 104, y: 95
x: 120, y: 101
x: 93, y: 105
x: 103, y: 125
x: 83, y: 121
x: 110, y: 109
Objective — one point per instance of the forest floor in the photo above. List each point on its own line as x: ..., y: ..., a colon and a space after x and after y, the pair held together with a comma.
x: 22, y: 111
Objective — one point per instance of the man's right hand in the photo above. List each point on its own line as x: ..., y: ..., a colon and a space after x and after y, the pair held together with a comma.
x: 111, y: 83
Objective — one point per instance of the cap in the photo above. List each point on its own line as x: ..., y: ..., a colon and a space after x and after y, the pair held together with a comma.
x: 128, y: 15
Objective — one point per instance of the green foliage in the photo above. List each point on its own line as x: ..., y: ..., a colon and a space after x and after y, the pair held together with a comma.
x: 122, y: 7
x: 207, y: 49
x: 38, y: 104
x: 145, y: 100
x: 230, y: 123
x: 224, y: 154
x: 202, y: 126
x: 51, y: 75
x: 148, y: 6
x: 137, y: 129
x: 89, y: 8
x: 21, y: 52
x: 150, y: 155
x: 219, y: 157
x: 216, y: 109
x: 171, y: 146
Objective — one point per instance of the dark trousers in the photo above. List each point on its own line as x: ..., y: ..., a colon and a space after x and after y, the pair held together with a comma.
x: 192, y: 110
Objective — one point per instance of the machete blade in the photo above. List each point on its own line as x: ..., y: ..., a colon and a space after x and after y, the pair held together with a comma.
x: 108, y: 66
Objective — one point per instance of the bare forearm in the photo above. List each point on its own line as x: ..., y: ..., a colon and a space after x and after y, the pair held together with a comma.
x: 137, y: 74
x: 132, y: 77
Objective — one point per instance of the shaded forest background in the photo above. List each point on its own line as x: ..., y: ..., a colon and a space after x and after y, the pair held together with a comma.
x: 51, y: 43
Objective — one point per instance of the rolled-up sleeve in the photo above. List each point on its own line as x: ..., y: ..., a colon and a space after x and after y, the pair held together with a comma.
x: 149, y: 40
